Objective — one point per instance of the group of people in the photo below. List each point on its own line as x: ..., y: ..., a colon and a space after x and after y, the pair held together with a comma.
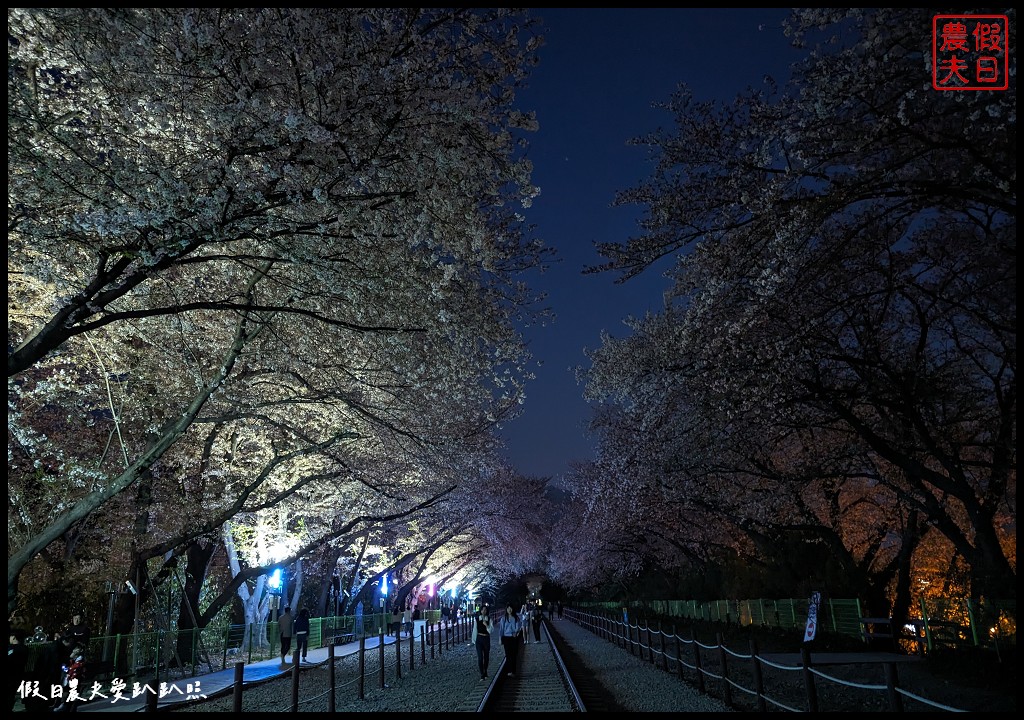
x: 58, y: 666
x: 512, y: 628
x: 402, y: 621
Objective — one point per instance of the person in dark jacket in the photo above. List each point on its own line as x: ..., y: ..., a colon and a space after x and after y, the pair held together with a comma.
x: 78, y: 632
x: 46, y: 670
x: 17, y: 660
x: 396, y: 622
x: 302, y: 633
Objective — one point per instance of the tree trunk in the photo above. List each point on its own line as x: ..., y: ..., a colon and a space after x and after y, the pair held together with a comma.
x: 326, y: 585
x: 197, y: 564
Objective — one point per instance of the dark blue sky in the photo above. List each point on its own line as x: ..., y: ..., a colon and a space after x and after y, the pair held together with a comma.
x: 599, y: 73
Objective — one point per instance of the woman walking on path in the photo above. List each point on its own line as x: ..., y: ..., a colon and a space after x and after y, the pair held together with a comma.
x: 482, y: 627
x: 535, y: 620
x: 524, y: 622
x: 509, y: 629
x: 302, y: 633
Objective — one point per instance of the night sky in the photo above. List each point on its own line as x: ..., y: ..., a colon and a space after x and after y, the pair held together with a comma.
x: 599, y: 73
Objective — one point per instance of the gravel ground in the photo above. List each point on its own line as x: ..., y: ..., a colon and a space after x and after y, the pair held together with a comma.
x: 635, y: 684
x: 438, y: 686
x: 444, y: 683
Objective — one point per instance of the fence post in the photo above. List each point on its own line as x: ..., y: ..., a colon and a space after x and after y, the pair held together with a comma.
x: 249, y: 625
x: 650, y: 643
x: 296, y: 661
x: 432, y: 642
x: 755, y: 668
x: 969, y: 604
x: 724, y: 660
x: 151, y: 698
x: 412, y: 647
x: 679, y: 653
x: 696, y: 661
x: 812, y: 692
x: 891, y: 685
x: 380, y: 652
x: 398, y: 655
x: 330, y: 675
x: 423, y: 645
x: 664, y: 655
x: 195, y: 649
x: 156, y: 660
x: 224, y: 660
x: 362, y: 667
x: 927, y: 627
x: 236, y: 689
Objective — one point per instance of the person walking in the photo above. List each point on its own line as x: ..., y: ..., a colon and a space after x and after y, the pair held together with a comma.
x: 535, y: 621
x: 302, y: 634
x: 407, y: 620
x: 396, y: 622
x: 509, y: 629
x: 482, y: 627
x: 524, y: 621
x: 285, y: 623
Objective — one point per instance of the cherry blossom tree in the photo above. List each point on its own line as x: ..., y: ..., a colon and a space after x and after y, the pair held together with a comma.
x: 254, y: 247
x: 844, y: 265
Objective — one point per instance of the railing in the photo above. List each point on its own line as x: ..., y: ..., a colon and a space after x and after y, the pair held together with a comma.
x: 172, y: 655
x: 705, y: 664
x: 373, y: 665
x: 940, y: 624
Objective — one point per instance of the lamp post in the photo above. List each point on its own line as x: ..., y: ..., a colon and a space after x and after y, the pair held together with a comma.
x: 385, y: 618
x: 112, y: 593
x: 276, y: 585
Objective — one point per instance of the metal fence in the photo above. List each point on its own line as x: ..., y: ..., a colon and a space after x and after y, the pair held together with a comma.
x: 171, y: 655
x: 938, y: 623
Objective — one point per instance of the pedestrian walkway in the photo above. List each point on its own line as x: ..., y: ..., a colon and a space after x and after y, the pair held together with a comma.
x: 220, y: 683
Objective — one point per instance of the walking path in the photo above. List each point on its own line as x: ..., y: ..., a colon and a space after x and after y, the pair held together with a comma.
x: 220, y: 683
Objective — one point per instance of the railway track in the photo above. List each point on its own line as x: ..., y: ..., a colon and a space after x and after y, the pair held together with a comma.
x: 550, y: 678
